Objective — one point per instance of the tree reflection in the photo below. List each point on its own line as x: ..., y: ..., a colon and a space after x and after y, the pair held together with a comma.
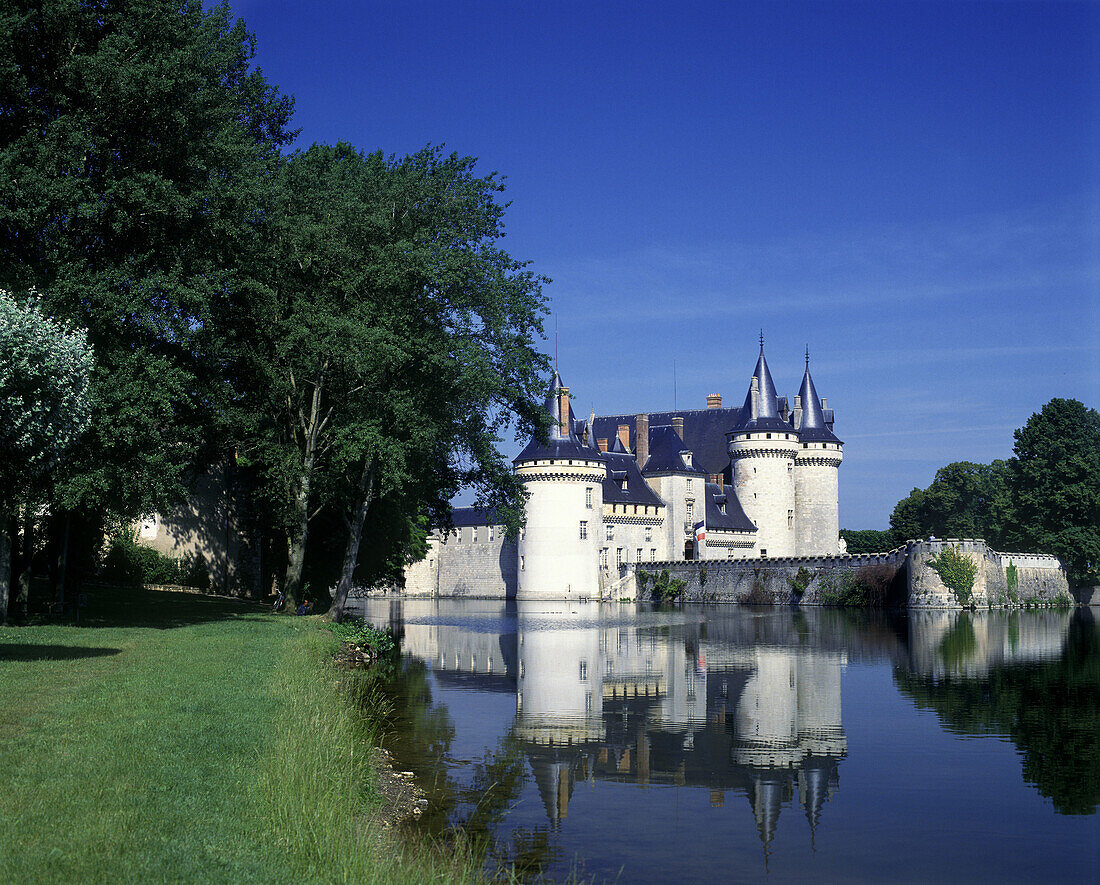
x: 1050, y: 710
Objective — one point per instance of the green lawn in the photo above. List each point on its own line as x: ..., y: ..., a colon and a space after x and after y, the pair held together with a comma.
x: 182, y: 738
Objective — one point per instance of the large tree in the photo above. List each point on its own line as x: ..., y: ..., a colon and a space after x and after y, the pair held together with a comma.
x: 137, y: 146
x: 396, y: 346
x: 965, y: 500
x: 45, y: 372
x: 1055, y: 486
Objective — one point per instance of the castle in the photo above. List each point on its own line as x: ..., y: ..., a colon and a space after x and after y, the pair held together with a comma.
x: 604, y: 493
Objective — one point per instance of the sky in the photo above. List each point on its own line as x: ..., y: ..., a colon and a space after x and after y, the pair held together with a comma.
x: 909, y: 189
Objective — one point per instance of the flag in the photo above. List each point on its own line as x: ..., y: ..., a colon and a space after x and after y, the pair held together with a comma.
x: 700, y: 532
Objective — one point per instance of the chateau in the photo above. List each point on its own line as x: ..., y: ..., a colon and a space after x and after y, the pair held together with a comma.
x: 608, y: 492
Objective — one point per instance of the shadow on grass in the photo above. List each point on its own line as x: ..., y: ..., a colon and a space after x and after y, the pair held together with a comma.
x: 138, y: 607
x: 12, y: 651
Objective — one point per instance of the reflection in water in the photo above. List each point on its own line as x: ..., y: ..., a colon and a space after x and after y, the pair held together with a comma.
x: 735, y: 702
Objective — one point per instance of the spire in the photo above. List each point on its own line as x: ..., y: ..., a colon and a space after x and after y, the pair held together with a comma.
x: 562, y: 440
x: 767, y: 400
x: 813, y: 425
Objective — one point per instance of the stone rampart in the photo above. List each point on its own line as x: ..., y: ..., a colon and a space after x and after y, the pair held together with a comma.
x: 484, y: 569
x: 900, y: 577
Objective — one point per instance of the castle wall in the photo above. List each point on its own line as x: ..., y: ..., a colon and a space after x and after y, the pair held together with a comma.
x: 461, y: 567
x: 555, y: 562
x: 678, y: 492
x: 816, y: 497
x: 763, y: 478
x: 903, y: 575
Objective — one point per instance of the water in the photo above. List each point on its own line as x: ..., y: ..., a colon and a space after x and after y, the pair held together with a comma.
x: 721, y: 743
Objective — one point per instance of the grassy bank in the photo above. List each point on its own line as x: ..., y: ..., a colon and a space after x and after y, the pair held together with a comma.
x: 183, y: 738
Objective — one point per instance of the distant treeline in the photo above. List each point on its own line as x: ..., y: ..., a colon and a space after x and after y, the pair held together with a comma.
x: 1046, y: 499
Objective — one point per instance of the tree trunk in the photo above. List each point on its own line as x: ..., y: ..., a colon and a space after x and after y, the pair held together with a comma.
x: 296, y: 539
x: 63, y: 560
x: 5, y: 567
x: 20, y: 603
x: 355, y: 535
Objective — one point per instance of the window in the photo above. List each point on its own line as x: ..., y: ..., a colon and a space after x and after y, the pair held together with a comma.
x: 648, y: 533
x: 584, y: 671
x: 603, y: 557
x: 584, y: 529
x: 588, y: 702
x: 610, y: 532
x: 490, y: 532
x: 473, y: 533
x: 522, y: 564
x: 763, y: 554
x: 769, y: 436
x: 638, y: 555
x: 652, y: 554
x: 689, y: 486
x: 790, y: 467
x: 522, y: 532
x: 690, y: 510
x: 790, y: 519
x: 588, y: 498
x: 610, y: 667
x: 619, y: 556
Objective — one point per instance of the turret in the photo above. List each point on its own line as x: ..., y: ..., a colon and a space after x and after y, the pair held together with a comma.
x: 816, y: 480
x: 762, y: 449
x: 558, y: 547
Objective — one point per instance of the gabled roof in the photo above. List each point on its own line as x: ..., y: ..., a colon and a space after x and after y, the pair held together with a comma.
x: 666, y: 452
x: 464, y: 516
x: 734, y: 519
x: 704, y: 433
x: 814, y: 427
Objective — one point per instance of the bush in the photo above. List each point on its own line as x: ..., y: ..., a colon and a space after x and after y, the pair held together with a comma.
x: 868, y: 587
x: 801, y: 581
x: 130, y: 564
x: 359, y: 633
x: 665, y: 587
x: 957, y: 572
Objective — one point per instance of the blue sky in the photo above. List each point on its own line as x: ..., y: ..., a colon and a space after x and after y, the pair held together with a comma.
x: 911, y: 189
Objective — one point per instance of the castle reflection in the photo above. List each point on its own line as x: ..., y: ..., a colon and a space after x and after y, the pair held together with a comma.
x: 738, y: 702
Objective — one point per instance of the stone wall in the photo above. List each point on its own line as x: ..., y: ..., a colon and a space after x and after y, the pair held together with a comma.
x: 903, y: 576
x: 483, y: 568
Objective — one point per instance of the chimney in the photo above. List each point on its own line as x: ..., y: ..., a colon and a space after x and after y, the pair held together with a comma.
x: 721, y: 482
x: 714, y: 400
x: 641, y: 439
x: 797, y: 412
x: 624, y: 436
x: 754, y: 398
x: 678, y: 426
x: 563, y: 412
x: 602, y: 443
x: 712, y: 478
x: 824, y: 403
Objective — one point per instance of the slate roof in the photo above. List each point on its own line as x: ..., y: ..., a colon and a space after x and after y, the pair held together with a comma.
x: 557, y: 445
x: 704, y: 433
x: 814, y: 426
x: 622, y: 466
x: 665, y: 448
x: 768, y: 416
x: 734, y: 519
x: 464, y: 516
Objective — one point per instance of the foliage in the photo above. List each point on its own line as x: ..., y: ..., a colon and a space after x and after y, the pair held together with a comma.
x: 957, y: 571
x: 136, y: 146
x: 356, y: 632
x: 869, y: 540
x: 965, y: 500
x: 958, y: 644
x: 800, y: 581
x: 128, y: 563
x: 867, y: 587
x: 45, y: 371
x: 1049, y: 709
x: 663, y: 587
x: 1055, y: 489
x: 1012, y: 578
x: 394, y: 347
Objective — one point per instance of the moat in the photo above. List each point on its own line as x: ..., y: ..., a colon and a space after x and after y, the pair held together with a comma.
x: 729, y: 743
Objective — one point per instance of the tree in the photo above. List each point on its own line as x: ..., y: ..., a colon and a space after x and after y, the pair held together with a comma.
x: 397, y: 344
x: 1055, y: 486
x: 137, y: 148
x: 45, y: 374
x: 868, y: 540
x: 965, y: 500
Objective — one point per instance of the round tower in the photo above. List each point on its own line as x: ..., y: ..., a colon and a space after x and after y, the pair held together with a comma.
x: 762, y: 449
x: 816, y: 479
x: 559, y: 546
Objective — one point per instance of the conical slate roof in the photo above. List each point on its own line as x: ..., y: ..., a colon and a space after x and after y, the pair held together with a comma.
x: 558, y: 444
x: 767, y: 413
x: 814, y: 428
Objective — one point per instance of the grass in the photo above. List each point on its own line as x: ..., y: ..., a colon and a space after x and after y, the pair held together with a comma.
x: 183, y: 738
